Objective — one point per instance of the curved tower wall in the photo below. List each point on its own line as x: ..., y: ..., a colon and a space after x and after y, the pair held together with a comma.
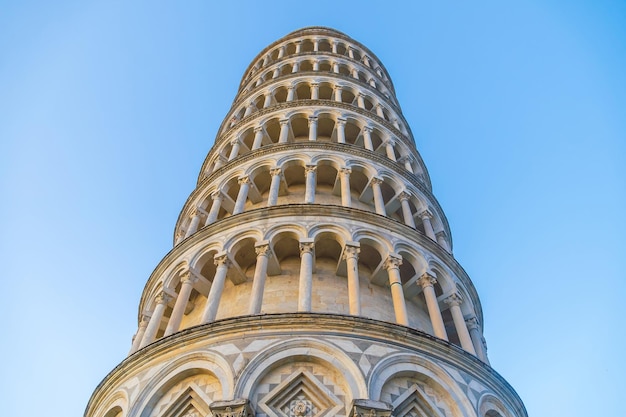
x: 312, y: 272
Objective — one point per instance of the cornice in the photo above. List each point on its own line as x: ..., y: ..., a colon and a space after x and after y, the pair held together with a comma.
x: 327, y: 211
x: 310, y: 324
x: 312, y: 31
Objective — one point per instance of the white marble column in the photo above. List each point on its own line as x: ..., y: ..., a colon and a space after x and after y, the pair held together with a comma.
x: 366, y: 60
x: 143, y: 324
x: 296, y: 67
x: 315, y: 91
x: 379, y: 202
x: 428, y: 227
x: 336, y: 67
x: 242, y: 196
x: 333, y: 45
x: 258, y: 137
x: 272, y: 198
x: 477, y: 338
x: 454, y: 302
x: 268, y: 95
x: 249, y: 109
x: 219, y: 162
x: 155, y: 320
x: 341, y: 130
x: 379, y: 111
x: 351, y: 52
x: 360, y: 101
x: 281, y: 52
x: 407, y: 163
x: 316, y: 45
x: 407, y: 215
x: 263, y: 252
x: 372, y: 82
x: 312, y: 128
x: 275, y: 74
x: 309, y: 194
x: 316, y: 65
x: 217, y: 286
x: 427, y: 283
x: 298, y: 46
x: 234, y: 151
x: 351, y: 255
x: 290, y: 93
x: 283, y: 137
x: 367, y: 138
x: 306, y: 275
x: 187, y: 280
x: 338, y: 90
x: 391, y: 154
x: 217, y: 198
x: 392, y: 265
x: 355, y: 73
x: 442, y: 240
x: 344, y: 177
x: 195, y: 222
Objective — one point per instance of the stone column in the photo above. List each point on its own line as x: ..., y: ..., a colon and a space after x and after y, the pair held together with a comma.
x: 268, y: 96
x: 389, y: 150
x: 316, y: 45
x: 351, y: 255
x: 298, y: 46
x: 195, y: 222
x: 219, y: 162
x: 428, y: 227
x: 392, y: 265
x: 258, y: 137
x: 360, y: 101
x: 313, y: 128
x: 155, y: 321
x: 217, y: 286
x: 290, y: 91
x: 275, y: 74
x: 441, y: 239
x: 234, y: 151
x: 242, y: 196
x: 341, y: 130
x: 338, y: 90
x: 272, y: 198
x: 346, y: 197
x: 306, y: 275
x: 372, y: 82
x: 407, y: 215
x: 379, y: 111
x: 350, y: 52
x: 367, y: 138
x: 477, y: 339
x: 251, y: 107
x: 316, y: 65
x: 379, y: 203
x: 454, y: 301
x: 407, y: 163
x: 336, y: 67
x: 427, y: 283
x: 309, y: 194
x: 283, y: 137
x: 179, y: 237
x: 355, y: 73
x: 187, y: 280
x: 215, y: 207
x: 281, y: 52
x: 315, y: 91
x: 296, y: 67
x: 260, y: 274
x: 143, y: 324
x: 366, y: 60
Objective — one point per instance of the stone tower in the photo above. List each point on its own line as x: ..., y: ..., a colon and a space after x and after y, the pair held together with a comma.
x: 312, y: 271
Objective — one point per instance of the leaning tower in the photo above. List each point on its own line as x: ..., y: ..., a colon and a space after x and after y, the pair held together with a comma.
x: 312, y: 272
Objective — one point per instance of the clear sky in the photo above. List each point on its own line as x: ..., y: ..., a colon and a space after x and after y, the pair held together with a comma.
x: 107, y: 110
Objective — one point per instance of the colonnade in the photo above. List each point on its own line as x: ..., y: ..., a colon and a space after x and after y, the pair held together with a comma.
x: 467, y: 330
x: 338, y: 47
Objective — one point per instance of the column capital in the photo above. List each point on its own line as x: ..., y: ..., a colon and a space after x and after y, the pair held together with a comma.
x: 310, y: 168
x: 188, y: 276
x: 262, y: 249
x: 368, y: 129
x: 426, y: 280
x: 283, y: 122
x: 404, y: 196
x: 351, y: 250
x: 312, y: 119
x: 376, y: 180
x: 194, y: 211
x: 341, y: 121
x: 454, y: 300
x: 221, y: 259
x: 306, y: 246
x: 441, y: 233
x: 314, y: 83
x: 472, y: 323
x: 244, y: 180
x: 425, y: 214
x: 345, y: 171
x: 257, y: 129
x: 216, y: 195
x: 235, y: 141
x: 275, y: 171
x: 163, y: 298
x: 392, y: 261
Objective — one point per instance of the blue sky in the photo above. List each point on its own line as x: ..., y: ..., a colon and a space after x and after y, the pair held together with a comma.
x: 107, y: 110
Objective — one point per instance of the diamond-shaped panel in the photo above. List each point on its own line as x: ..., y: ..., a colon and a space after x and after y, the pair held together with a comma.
x: 300, y: 395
